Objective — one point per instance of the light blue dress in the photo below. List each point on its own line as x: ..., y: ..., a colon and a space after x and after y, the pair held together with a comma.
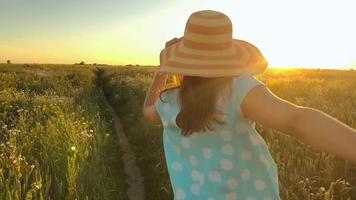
x: 231, y: 163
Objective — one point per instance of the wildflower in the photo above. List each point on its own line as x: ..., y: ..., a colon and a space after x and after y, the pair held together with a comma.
x: 91, y: 131
x: 37, y: 185
x: 19, y: 110
x: 322, y: 189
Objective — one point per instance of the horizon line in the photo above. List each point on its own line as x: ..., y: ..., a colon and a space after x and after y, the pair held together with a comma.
x: 147, y: 65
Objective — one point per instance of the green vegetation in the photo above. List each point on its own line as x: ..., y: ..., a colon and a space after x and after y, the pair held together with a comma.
x: 56, y: 140
x: 304, y: 172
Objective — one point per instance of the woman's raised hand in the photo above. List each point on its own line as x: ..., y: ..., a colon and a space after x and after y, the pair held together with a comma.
x: 171, y: 42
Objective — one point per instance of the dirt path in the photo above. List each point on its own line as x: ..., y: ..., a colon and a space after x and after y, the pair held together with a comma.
x: 136, y: 190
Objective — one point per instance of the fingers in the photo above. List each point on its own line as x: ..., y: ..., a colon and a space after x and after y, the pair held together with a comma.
x: 172, y: 41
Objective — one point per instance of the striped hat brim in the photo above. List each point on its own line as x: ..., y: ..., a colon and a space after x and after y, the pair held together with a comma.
x: 184, y: 58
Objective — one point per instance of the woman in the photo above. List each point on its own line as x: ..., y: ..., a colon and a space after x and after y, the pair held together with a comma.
x: 212, y: 148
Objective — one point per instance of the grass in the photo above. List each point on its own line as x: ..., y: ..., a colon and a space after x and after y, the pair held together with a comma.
x: 56, y: 140
x: 304, y: 172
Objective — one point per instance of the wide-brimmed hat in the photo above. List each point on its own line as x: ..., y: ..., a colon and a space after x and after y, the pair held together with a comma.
x: 208, y: 49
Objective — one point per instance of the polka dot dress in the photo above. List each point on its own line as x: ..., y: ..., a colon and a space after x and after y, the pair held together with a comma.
x: 232, y: 162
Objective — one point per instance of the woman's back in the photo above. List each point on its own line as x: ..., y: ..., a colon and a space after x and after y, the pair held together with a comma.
x: 231, y: 162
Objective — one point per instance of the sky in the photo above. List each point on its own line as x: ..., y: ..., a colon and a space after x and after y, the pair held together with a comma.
x: 290, y: 33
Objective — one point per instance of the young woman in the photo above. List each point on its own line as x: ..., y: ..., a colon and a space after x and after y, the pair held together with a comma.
x: 212, y: 148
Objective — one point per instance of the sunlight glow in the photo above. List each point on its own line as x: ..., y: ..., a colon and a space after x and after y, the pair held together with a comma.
x: 289, y: 33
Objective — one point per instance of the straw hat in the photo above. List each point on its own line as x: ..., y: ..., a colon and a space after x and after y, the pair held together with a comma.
x: 208, y: 49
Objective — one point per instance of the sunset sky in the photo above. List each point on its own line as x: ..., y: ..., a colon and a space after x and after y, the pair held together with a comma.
x: 290, y: 33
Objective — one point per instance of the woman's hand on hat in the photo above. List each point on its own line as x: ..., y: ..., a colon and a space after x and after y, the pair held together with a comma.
x: 171, y: 42
x: 168, y: 43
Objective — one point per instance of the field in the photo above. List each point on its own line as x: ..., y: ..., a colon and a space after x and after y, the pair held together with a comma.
x: 56, y: 139
x: 304, y: 172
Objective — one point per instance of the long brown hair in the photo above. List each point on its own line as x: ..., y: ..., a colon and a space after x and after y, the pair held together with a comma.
x: 198, y: 98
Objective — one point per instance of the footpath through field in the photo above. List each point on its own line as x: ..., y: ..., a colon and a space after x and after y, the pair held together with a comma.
x: 136, y: 189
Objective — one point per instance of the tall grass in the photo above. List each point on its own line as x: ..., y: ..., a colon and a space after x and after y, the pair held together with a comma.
x: 304, y: 172
x: 56, y: 140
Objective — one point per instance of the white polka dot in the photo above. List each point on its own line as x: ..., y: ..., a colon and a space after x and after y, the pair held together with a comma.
x: 231, y: 196
x: 226, y: 135
x: 255, y: 140
x: 246, y: 155
x: 226, y: 164
x: 180, y: 194
x: 195, y: 188
x: 166, y: 107
x: 268, y: 198
x: 193, y: 160
x: 195, y: 175
x: 177, y: 167
x: 227, y: 149
x: 185, y: 143
x: 245, y: 175
x: 207, y: 153
x: 214, y: 176
x: 232, y: 184
x: 250, y: 198
x: 260, y: 185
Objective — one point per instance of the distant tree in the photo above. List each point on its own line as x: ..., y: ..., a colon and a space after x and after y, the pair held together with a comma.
x: 137, y: 65
x: 94, y: 63
x: 8, y: 62
x: 81, y: 63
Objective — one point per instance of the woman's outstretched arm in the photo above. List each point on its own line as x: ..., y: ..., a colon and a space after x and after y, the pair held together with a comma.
x: 309, y: 125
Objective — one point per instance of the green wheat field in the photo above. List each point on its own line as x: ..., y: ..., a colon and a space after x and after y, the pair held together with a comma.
x: 57, y: 140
